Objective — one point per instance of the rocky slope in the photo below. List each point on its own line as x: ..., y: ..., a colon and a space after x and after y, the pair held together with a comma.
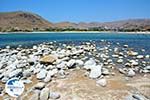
x: 22, y: 21
x: 25, y: 21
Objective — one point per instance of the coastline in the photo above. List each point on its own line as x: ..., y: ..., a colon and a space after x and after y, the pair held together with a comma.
x: 77, y: 32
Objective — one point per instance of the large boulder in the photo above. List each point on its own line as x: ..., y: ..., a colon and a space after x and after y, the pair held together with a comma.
x: 44, y: 94
x: 95, y: 71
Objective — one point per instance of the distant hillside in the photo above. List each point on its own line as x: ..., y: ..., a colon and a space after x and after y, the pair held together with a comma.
x: 25, y: 21
x: 22, y: 21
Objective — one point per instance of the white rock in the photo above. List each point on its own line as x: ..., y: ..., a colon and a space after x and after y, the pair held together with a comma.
x: 79, y: 62
x: 54, y: 95
x: 15, y: 72
x: 120, y: 61
x: 102, y: 82
x: 41, y: 74
x: 96, y: 71
x: 140, y: 56
x: 139, y: 97
x: 105, y: 71
x: 44, y: 94
x: 26, y: 81
x: 35, y: 47
x: 88, y: 64
x: 62, y: 65
x: 134, y: 63
x: 132, y: 53
x: 147, y: 67
x: 131, y: 73
x: 147, y: 56
x: 71, y: 63
x: 50, y: 74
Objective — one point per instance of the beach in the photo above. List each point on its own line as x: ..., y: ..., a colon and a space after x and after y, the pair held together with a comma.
x: 89, y: 70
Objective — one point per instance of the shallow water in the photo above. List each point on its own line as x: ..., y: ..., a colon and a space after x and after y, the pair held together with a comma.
x: 137, y: 41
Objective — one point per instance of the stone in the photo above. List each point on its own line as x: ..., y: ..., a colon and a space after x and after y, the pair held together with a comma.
x: 147, y: 56
x: 134, y: 63
x: 121, y: 71
x: 54, y: 95
x: 115, y: 56
x: 95, y: 71
x: 147, y: 67
x: 125, y: 46
x: 102, y: 82
x: 105, y: 71
x: 131, y: 73
x: 79, y: 62
x: 62, y: 65
x: 35, y: 47
x: 39, y: 85
x: 26, y: 81
x: 139, y: 97
x: 48, y: 77
x: 27, y: 73
x: 132, y: 53
x: 15, y: 72
x: 88, y: 64
x: 41, y: 74
x: 140, y: 56
x: 71, y: 63
x: 120, y: 61
x: 44, y: 94
x: 48, y: 59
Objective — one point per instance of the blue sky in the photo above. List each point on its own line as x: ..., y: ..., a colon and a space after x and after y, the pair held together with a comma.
x: 81, y: 10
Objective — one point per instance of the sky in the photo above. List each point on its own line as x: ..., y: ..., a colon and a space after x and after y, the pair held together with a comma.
x: 81, y: 10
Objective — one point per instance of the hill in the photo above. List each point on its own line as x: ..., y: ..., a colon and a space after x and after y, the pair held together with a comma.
x: 25, y: 21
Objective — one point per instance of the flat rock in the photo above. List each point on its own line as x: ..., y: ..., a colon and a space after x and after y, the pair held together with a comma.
x: 48, y: 59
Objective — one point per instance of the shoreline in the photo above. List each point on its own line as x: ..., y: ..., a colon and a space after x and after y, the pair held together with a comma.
x: 78, y: 32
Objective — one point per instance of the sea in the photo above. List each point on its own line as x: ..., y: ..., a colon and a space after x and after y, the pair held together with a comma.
x: 136, y: 41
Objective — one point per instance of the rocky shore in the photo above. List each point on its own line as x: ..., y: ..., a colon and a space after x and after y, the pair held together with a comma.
x: 86, y: 71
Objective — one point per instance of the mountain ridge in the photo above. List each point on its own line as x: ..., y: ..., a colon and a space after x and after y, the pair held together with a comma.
x: 27, y: 21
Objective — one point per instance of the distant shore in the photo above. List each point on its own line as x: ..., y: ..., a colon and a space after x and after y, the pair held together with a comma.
x: 78, y: 32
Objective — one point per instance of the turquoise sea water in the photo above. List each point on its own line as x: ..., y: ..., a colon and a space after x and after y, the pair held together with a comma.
x: 139, y: 41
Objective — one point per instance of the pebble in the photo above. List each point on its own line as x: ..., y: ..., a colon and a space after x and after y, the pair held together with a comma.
x: 131, y: 73
x: 140, y: 56
x: 54, y: 95
x: 120, y: 61
x: 134, y: 63
x: 102, y: 82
